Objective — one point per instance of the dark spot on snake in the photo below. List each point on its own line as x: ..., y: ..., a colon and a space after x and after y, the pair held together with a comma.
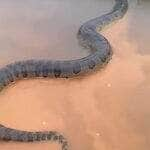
x: 43, y: 137
x: 49, y: 136
x: 45, y: 72
x: 109, y: 52
x: 16, y: 73
x: 55, y: 138
x: 76, y: 68
x: 92, y: 64
x: 30, y: 137
x: 38, y: 136
x: 103, y: 59
x: 24, y: 74
x: 57, y: 70
x: 65, y: 145
x: 10, y: 77
x: 11, y: 80
x: 38, y: 68
x: 7, y: 135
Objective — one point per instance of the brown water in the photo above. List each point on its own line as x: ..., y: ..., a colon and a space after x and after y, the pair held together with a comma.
x: 108, y: 110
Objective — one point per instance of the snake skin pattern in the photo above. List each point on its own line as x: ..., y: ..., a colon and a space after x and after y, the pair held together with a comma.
x: 89, y: 38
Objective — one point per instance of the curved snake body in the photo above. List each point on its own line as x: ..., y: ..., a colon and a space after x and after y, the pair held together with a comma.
x: 89, y: 38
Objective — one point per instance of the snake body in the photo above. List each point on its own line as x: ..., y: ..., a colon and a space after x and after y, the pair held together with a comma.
x: 89, y: 38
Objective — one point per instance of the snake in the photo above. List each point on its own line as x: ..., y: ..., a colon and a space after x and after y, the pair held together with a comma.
x: 89, y: 37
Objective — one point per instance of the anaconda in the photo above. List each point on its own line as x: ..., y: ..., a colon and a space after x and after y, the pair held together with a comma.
x: 89, y: 37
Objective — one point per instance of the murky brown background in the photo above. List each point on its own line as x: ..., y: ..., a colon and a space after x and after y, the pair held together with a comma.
x: 108, y: 110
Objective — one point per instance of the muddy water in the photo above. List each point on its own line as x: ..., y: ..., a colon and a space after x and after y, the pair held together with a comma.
x: 108, y: 110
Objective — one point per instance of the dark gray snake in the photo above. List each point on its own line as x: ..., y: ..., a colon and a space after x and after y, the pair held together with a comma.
x: 89, y: 38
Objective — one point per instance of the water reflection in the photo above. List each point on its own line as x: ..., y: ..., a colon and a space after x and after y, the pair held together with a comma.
x: 108, y: 110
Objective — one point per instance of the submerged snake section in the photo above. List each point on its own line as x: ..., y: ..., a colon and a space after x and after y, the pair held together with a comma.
x: 88, y: 38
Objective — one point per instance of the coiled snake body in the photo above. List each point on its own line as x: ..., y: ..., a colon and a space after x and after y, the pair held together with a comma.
x: 88, y: 37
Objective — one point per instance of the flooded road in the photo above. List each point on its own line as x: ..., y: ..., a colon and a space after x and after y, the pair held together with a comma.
x: 108, y: 110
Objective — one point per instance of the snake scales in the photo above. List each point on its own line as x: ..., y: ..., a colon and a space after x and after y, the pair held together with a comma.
x: 88, y: 37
